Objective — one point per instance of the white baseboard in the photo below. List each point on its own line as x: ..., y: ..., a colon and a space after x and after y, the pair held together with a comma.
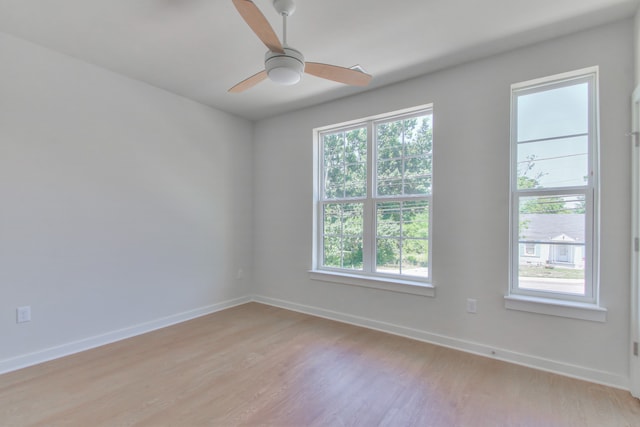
x: 561, y: 368
x: 51, y: 353
x: 548, y: 365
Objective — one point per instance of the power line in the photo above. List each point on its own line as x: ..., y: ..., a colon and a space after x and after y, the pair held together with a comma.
x: 552, y: 158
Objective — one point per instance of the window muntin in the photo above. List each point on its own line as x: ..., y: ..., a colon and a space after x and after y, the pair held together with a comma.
x: 374, y: 199
x: 554, y: 174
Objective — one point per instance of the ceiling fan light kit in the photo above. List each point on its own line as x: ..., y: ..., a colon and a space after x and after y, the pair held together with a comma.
x: 283, y: 64
x: 285, y: 69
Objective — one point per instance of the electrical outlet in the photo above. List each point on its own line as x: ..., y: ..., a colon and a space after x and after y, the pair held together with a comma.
x: 23, y: 314
x: 472, y: 305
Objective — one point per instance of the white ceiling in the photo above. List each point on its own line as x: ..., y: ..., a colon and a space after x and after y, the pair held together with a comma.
x: 200, y: 48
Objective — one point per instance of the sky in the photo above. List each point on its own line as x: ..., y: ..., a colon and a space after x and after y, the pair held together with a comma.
x: 552, y: 128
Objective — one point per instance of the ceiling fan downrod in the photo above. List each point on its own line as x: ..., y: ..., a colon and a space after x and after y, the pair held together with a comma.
x: 285, y: 8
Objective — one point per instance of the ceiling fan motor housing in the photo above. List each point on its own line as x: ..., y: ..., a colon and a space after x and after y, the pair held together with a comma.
x: 284, y: 7
x: 284, y: 68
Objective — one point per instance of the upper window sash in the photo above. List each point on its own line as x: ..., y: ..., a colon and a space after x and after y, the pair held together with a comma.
x: 416, y: 186
x: 586, y: 76
x: 344, y: 163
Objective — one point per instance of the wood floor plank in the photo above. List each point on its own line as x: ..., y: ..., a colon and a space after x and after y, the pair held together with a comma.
x: 260, y: 365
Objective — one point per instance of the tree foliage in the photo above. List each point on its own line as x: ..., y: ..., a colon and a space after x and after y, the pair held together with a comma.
x: 403, y: 151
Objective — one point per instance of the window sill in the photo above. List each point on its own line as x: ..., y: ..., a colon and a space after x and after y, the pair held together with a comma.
x: 392, y: 285
x: 573, y: 310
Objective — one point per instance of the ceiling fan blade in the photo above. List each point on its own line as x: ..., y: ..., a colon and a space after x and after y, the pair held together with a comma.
x: 249, y: 83
x: 337, y: 74
x: 259, y: 24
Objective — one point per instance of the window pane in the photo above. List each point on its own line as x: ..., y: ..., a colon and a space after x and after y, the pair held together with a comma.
x: 389, y: 140
x: 553, y: 163
x: 552, y: 113
x: 332, y: 252
x: 389, y: 219
x: 417, y: 175
x: 332, y: 220
x: 417, y: 166
x: 403, y: 150
x: 415, y: 219
x: 562, y: 273
x: 352, y: 253
x: 560, y: 213
x: 419, y: 136
x: 356, y: 180
x: 414, y: 257
x: 402, y: 231
x: 552, y: 231
x: 342, y: 235
x: 390, y: 177
x: 388, y: 256
x: 356, y: 146
x: 415, y: 233
x: 334, y: 183
x: 345, y: 164
x: 333, y: 145
x: 417, y: 185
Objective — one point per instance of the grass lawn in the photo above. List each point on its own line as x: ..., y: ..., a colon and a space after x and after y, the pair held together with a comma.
x: 552, y: 273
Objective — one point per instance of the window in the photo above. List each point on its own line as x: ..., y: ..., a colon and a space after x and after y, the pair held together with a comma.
x: 554, y: 179
x: 373, y: 198
x: 529, y: 249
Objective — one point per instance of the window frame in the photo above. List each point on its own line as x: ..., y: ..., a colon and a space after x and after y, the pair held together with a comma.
x: 527, y: 299
x: 368, y: 276
x: 535, y: 253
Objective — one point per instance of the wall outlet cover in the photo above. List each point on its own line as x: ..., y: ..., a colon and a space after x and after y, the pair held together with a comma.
x: 23, y: 314
x: 472, y: 305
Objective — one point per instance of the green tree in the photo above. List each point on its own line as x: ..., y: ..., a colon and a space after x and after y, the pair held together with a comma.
x: 404, y: 152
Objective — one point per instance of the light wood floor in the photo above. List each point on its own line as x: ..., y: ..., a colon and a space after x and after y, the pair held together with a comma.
x: 260, y: 365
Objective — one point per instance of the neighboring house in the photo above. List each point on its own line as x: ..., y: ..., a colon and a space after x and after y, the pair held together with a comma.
x: 552, y: 239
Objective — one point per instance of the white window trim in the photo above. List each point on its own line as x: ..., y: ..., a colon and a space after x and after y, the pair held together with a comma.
x: 634, y: 361
x: 375, y: 282
x: 380, y: 281
x: 587, y: 308
x: 555, y: 307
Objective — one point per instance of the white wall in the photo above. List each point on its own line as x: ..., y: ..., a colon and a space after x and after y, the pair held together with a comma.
x: 123, y: 204
x: 119, y: 203
x: 471, y: 214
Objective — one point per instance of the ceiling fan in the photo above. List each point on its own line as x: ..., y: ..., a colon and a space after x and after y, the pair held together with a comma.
x: 284, y: 64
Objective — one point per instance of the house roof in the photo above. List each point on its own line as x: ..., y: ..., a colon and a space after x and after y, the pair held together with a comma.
x: 552, y: 227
